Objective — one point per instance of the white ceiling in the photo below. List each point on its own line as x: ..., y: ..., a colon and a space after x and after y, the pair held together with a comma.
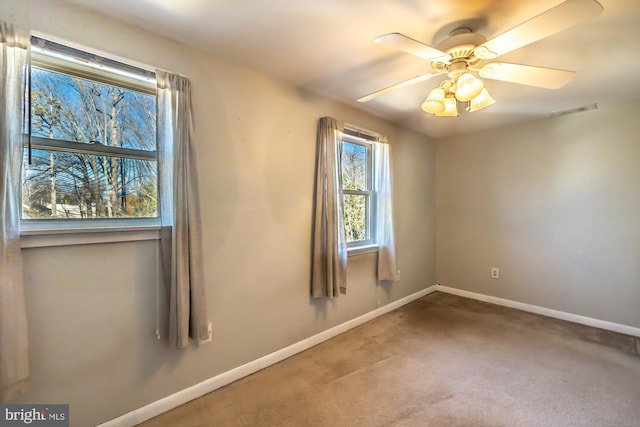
x: 327, y: 46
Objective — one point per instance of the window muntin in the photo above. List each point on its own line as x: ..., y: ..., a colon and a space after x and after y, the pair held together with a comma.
x: 357, y: 189
x: 94, y: 149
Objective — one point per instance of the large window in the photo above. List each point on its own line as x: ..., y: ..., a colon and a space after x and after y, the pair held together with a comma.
x: 357, y: 191
x: 93, y: 151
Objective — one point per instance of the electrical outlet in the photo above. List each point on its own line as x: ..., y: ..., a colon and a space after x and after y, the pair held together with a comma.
x: 209, y: 335
x: 495, y: 273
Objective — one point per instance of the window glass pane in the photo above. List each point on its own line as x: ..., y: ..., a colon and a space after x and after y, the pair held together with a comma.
x: 79, y: 110
x: 60, y: 185
x: 355, y: 217
x: 354, y: 166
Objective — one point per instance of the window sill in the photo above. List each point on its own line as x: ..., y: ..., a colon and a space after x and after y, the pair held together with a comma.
x: 40, y: 238
x: 361, y: 250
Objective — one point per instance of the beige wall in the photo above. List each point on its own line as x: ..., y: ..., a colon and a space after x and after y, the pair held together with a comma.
x: 92, y: 308
x: 554, y: 204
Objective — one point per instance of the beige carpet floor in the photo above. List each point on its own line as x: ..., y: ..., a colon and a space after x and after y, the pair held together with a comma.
x: 440, y: 361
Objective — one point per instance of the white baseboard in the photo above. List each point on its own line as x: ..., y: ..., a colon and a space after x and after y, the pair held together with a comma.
x: 575, y: 318
x: 173, y: 401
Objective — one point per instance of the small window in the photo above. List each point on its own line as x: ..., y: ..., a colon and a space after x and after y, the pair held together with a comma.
x: 357, y: 191
x: 93, y: 145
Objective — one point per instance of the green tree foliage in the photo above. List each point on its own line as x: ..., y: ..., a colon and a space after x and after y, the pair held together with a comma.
x: 354, y: 178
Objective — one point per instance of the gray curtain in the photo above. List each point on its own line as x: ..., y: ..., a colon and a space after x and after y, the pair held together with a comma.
x: 329, y: 258
x: 14, y: 78
x: 180, y: 214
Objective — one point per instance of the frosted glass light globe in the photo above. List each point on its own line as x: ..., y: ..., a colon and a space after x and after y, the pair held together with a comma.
x: 468, y: 87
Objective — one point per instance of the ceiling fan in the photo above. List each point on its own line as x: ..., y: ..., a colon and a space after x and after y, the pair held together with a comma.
x: 465, y: 51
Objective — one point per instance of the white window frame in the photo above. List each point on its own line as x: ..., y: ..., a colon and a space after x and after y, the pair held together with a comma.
x: 56, y: 232
x: 361, y: 137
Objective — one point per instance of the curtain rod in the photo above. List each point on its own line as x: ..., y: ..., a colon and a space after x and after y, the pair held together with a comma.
x: 101, y: 53
x: 361, y: 133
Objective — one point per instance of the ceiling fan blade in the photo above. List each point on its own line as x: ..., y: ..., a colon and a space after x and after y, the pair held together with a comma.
x: 405, y: 83
x: 414, y: 47
x: 558, y: 18
x: 548, y: 78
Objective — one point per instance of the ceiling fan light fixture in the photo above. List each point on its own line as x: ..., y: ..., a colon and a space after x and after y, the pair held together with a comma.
x: 468, y: 87
x: 464, y: 50
x: 481, y: 101
x: 450, y: 107
x: 434, y: 103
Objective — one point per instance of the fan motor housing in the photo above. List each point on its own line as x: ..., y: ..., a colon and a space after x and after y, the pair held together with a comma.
x: 460, y: 46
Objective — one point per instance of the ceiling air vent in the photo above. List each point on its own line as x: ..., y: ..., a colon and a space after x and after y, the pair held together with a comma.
x: 593, y: 106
